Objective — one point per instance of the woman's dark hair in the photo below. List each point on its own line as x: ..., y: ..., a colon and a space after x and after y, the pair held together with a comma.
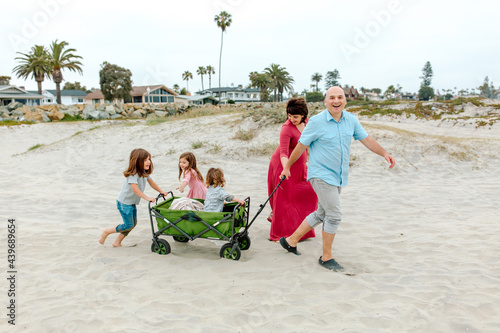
x: 297, y: 106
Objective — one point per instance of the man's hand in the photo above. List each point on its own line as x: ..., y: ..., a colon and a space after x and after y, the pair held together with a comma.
x: 286, y: 173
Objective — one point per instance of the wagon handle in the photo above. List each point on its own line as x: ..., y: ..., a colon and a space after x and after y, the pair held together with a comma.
x: 264, y: 204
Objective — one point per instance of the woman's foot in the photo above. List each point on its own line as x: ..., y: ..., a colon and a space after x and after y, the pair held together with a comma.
x: 270, y: 217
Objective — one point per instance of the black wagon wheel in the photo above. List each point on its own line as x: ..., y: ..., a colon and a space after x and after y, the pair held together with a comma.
x: 244, y: 243
x: 162, y: 248
x: 181, y: 239
x: 225, y: 252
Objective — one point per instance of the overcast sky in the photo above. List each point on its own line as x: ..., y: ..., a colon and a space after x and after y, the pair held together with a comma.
x: 371, y: 43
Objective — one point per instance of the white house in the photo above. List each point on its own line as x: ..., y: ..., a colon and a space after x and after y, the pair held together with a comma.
x: 197, y: 99
x: 237, y: 94
x: 10, y: 94
x: 68, y: 97
x: 139, y: 94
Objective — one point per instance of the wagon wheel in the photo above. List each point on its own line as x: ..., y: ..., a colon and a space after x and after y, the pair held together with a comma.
x: 162, y: 248
x: 181, y: 239
x: 244, y: 243
x: 225, y: 251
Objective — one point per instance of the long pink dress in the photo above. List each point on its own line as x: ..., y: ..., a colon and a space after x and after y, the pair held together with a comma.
x: 197, y: 189
x: 295, y: 198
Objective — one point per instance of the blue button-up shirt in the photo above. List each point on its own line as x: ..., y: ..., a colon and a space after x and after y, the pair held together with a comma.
x: 330, y: 143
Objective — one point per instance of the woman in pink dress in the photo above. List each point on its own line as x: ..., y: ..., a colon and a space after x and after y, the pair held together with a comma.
x: 192, y: 177
x: 295, y: 198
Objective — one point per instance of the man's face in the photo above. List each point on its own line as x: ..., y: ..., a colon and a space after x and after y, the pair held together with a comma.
x: 335, y: 100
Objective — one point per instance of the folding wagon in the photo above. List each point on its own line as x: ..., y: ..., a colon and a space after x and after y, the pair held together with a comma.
x: 230, y: 225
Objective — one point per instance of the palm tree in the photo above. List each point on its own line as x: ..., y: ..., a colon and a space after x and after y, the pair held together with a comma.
x: 285, y: 84
x: 60, y: 59
x: 223, y: 21
x: 36, y: 64
x: 186, y: 76
x: 262, y: 82
x: 210, y: 70
x: 316, y: 77
x: 278, y: 76
x: 201, y: 71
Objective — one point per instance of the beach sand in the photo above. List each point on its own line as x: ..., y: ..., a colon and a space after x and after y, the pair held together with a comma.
x: 419, y: 243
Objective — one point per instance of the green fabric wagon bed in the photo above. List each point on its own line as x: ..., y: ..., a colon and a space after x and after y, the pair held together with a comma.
x: 189, y: 221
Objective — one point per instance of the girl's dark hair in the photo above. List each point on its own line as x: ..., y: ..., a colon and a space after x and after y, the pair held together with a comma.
x: 215, y: 177
x: 297, y: 106
x: 191, y: 159
x: 136, y: 163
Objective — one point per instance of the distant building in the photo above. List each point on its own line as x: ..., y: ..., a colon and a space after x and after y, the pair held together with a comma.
x: 350, y: 93
x: 237, y: 94
x: 10, y: 94
x: 198, y: 99
x: 140, y: 94
x: 68, y: 97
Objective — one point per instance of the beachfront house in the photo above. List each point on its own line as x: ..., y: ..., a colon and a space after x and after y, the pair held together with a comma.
x: 350, y: 93
x: 198, y: 99
x: 9, y: 94
x: 68, y: 97
x: 237, y: 94
x: 141, y: 94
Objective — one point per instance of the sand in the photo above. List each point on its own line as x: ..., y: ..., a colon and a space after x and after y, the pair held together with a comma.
x: 419, y: 243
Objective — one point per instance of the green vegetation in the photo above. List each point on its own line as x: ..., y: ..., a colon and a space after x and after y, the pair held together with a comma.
x: 15, y: 122
x: 314, y: 96
x: 197, y: 144
x: 264, y: 150
x: 35, y: 147
x: 215, y: 149
x: 156, y: 121
x: 245, y: 135
x: 115, y: 82
x: 67, y: 117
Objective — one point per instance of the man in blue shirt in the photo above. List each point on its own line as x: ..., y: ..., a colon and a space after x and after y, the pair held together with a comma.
x: 328, y: 135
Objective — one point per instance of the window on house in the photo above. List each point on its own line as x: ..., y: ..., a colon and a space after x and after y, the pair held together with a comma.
x: 170, y: 99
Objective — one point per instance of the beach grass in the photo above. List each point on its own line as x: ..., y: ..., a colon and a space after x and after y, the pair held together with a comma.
x: 245, y: 135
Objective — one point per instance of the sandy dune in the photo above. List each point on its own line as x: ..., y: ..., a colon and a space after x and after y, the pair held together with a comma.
x: 419, y: 243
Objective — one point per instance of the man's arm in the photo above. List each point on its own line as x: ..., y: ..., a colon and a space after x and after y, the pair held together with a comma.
x: 296, y: 153
x: 371, y: 144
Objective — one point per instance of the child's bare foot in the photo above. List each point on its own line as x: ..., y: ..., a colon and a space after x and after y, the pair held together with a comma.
x: 118, y: 241
x: 104, y: 235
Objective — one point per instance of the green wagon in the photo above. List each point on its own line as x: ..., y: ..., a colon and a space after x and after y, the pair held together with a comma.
x: 230, y: 225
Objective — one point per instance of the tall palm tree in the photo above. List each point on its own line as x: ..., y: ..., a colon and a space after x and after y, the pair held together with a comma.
x: 201, y: 71
x: 316, y: 77
x: 210, y: 71
x: 223, y: 21
x: 61, y: 59
x: 34, y: 64
x: 186, y: 76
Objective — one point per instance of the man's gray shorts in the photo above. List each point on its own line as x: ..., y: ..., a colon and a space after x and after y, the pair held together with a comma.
x: 328, y: 211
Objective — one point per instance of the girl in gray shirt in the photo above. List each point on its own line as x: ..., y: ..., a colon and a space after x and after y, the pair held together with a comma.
x: 216, y: 195
x: 138, y: 173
